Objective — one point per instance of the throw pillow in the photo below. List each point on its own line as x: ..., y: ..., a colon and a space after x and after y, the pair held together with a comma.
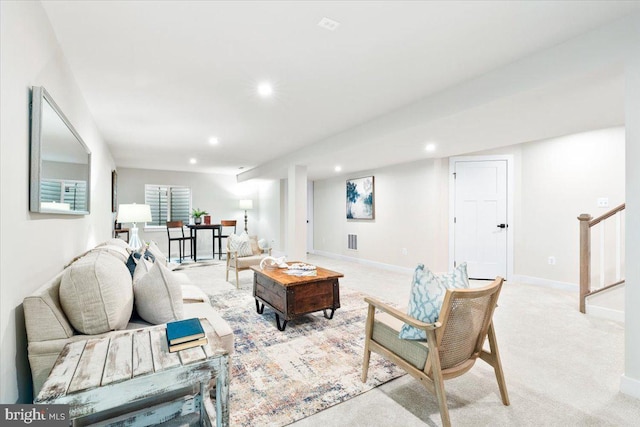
x: 427, y: 296
x: 96, y: 294
x: 158, y: 295
x: 156, y: 252
x: 135, y: 258
x: 118, y: 251
x: 240, y: 244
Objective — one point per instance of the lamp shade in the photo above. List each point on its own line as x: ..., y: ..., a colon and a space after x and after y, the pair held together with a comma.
x: 246, y: 204
x: 134, y: 213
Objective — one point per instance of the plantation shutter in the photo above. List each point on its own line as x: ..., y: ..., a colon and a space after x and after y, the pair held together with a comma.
x: 180, y: 204
x: 168, y: 204
x: 50, y: 190
x: 156, y: 197
x: 75, y: 193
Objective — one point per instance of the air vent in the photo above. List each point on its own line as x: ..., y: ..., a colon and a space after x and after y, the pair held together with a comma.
x: 328, y: 24
x: 352, y: 241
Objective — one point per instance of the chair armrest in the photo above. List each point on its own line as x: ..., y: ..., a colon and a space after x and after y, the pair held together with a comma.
x: 400, y: 315
x: 232, y: 254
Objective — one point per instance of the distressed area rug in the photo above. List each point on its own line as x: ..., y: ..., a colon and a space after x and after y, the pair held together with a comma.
x: 281, y: 377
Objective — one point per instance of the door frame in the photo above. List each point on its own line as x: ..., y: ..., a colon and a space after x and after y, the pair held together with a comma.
x: 510, y: 196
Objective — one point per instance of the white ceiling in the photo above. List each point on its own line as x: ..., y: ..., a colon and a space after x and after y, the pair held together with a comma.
x: 161, y: 77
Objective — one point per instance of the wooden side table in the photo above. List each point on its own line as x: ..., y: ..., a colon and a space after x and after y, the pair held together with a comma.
x: 130, y: 377
x: 118, y: 231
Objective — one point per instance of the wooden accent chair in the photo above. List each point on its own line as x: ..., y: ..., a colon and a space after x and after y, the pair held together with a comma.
x: 453, y: 343
x: 175, y: 233
x: 238, y: 262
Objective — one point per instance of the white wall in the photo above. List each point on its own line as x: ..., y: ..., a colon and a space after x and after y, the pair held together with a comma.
x: 215, y: 193
x: 34, y: 247
x: 410, y: 213
x: 556, y: 180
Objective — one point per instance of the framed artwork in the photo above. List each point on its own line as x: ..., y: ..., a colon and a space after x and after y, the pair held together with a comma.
x: 360, y: 198
x: 114, y: 191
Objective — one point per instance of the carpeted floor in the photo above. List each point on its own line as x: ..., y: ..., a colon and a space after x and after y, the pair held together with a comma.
x: 562, y: 368
x: 280, y: 377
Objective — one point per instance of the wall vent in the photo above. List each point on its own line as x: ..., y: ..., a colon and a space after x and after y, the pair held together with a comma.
x: 352, y: 241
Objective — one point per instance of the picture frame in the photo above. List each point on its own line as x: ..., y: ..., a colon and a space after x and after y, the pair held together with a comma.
x: 360, y: 199
x: 114, y: 191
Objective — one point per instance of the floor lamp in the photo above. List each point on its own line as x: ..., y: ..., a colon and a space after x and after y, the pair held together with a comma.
x: 134, y: 213
x: 246, y: 204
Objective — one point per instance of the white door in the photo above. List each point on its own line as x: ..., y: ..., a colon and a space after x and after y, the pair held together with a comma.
x: 480, y: 217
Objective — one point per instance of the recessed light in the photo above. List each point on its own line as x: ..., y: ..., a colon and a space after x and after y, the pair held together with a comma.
x: 193, y: 161
x: 328, y: 24
x: 430, y: 147
x: 265, y: 89
x: 213, y: 140
x: 337, y: 168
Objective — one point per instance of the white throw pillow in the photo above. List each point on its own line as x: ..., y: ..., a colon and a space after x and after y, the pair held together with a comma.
x: 118, y: 251
x: 157, y: 293
x: 427, y: 296
x: 240, y: 244
x: 96, y: 294
x: 157, y: 253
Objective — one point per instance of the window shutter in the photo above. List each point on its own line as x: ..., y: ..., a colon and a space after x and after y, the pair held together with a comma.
x: 180, y: 204
x: 50, y: 191
x: 75, y: 193
x: 156, y: 197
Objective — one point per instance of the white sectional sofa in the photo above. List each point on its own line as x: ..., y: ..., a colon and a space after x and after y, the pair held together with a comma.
x: 94, y: 295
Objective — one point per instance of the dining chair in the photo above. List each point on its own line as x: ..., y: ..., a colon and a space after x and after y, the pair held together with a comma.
x: 225, y: 228
x: 175, y: 233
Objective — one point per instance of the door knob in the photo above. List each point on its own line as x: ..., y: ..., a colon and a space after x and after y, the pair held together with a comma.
x: 502, y: 225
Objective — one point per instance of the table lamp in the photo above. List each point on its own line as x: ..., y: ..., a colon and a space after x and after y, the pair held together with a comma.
x: 246, y: 204
x: 134, y: 213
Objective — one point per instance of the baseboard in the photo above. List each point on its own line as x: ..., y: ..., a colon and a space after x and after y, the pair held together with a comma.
x: 630, y: 386
x: 604, y: 313
x: 531, y: 280
x: 388, y: 267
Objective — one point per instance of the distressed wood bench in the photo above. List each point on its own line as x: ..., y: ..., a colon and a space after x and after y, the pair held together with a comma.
x: 130, y: 378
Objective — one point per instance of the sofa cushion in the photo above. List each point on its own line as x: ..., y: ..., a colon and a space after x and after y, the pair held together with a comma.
x: 240, y: 243
x: 96, y: 294
x: 118, y: 251
x: 157, y: 293
x: 427, y: 296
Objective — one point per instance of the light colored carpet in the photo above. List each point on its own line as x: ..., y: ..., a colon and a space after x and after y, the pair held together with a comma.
x: 562, y: 368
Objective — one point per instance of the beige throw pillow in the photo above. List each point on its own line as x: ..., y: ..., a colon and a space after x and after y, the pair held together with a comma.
x: 157, y: 253
x: 240, y: 244
x: 96, y: 294
x: 157, y: 293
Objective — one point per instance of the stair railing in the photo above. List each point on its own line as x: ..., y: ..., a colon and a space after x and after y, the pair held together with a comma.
x: 586, y: 224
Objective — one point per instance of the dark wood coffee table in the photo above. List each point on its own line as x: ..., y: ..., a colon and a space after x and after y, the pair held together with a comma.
x: 292, y: 296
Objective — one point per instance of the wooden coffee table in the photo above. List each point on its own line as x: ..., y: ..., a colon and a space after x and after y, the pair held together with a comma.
x: 292, y: 296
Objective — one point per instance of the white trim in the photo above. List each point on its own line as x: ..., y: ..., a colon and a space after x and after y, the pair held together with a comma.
x: 539, y: 281
x: 630, y: 386
x: 389, y: 267
x: 604, y: 313
x: 510, y: 199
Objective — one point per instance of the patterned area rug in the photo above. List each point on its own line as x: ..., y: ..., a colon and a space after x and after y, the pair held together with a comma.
x: 281, y: 377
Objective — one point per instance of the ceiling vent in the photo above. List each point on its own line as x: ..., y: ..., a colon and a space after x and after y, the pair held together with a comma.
x: 328, y: 24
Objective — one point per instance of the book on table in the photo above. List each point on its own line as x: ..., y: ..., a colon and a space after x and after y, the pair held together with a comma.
x: 188, y: 344
x: 185, y: 330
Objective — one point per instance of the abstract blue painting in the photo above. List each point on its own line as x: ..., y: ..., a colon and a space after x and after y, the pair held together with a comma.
x: 360, y: 198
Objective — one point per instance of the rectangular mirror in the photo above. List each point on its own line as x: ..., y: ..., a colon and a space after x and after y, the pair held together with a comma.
x: 60, y: 160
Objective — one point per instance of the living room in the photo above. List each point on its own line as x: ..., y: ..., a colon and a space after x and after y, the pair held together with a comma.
x: 563, y: 170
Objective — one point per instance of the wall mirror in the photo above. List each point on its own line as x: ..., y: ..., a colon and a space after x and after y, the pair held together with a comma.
x: 60, y: 160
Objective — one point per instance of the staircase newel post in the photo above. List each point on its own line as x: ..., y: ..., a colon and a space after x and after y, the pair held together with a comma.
x: 585, y: 258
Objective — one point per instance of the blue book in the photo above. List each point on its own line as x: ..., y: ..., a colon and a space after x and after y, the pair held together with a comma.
x: 184, y: 330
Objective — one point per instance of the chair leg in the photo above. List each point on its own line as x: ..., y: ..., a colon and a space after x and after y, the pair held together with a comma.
x: 438, y: 382
x: 237, y: 280
x: 497, y: 365
x: 227, y: 278
x: 367, y: 339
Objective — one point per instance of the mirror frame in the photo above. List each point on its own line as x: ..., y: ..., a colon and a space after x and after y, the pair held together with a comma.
x: 39, y: 96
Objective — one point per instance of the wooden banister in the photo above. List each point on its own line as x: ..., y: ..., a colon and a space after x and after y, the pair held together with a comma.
x: 604, y: 216
x: 585, y: 258
x: 586, y: 223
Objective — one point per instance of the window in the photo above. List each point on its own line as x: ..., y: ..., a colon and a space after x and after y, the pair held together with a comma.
x: 74, y: 193
x: 168, y: 203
